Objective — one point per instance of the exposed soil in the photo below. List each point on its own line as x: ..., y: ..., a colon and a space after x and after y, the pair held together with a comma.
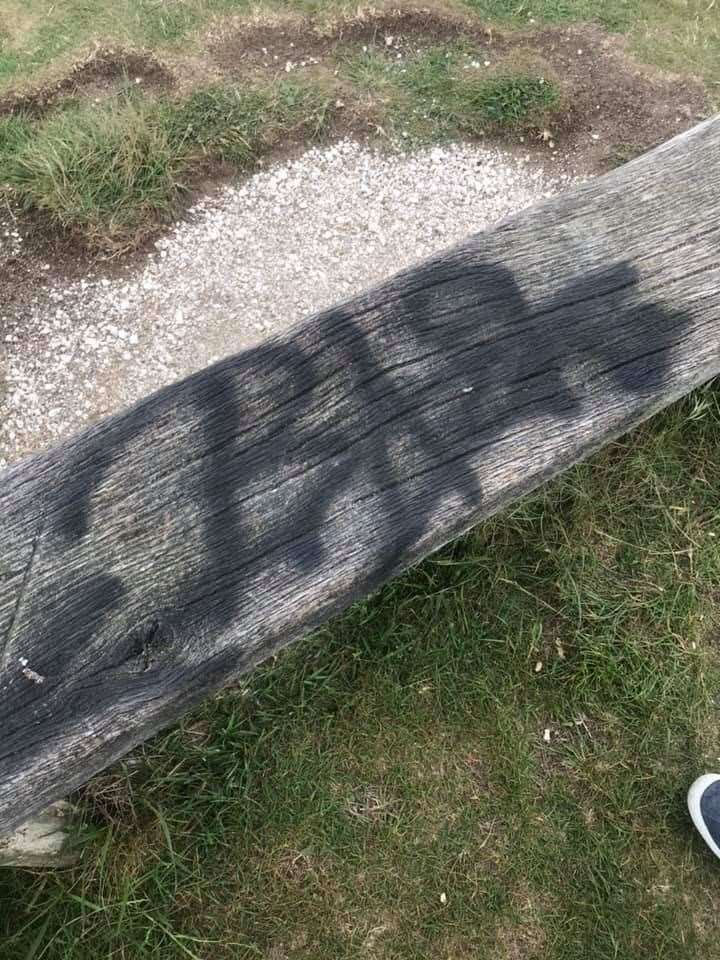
x: 613, y: 102
x: 43, y: 257
x: 271, y: 43
x: 98, y: 76
x: 615, y: 108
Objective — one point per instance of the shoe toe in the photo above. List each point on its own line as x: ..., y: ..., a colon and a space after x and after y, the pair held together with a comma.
x: 704, y: 807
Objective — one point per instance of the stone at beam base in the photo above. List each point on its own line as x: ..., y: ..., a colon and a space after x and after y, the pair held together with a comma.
x: 42, y: 841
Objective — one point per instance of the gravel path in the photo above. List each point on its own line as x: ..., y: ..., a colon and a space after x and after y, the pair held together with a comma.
x: 242, y: 265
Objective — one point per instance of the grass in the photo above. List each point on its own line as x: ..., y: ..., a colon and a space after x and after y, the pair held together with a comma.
x: 512, y: 100
x: 682, y: 35
x: 433, y: 95
x: 108, y: 174
x: 385, y: 789
x: 35, y: 34
x: 100, y: 172
x: 37, y: 37
x: 470, y: 105
x: 612, y: 14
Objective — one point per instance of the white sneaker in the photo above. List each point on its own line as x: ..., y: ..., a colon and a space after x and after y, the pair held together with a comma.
x: 703, y: 802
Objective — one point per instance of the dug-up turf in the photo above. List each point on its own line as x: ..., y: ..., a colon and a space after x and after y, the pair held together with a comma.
x: 615, y: 107
x: 97, y: 76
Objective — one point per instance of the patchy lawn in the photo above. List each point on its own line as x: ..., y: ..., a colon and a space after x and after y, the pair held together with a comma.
x: 81, y: 82
x: 38, y: 39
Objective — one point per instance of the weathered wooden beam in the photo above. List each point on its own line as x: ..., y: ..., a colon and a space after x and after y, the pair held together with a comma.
x: 156, y: 556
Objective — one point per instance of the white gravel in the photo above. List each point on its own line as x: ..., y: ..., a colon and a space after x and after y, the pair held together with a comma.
x: 243, y: 264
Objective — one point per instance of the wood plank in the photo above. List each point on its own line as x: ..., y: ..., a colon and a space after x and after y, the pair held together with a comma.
x: 161, y: 553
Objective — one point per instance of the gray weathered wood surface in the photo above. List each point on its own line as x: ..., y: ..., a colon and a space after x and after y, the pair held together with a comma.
x: 161, y: 553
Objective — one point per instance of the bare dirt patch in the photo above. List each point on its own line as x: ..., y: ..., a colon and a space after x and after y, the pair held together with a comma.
x: 524, y: 936
x: 96, y: 77
x: 614, y: 102
x: 615, y: 108
x: 40, y: 259
x: 237, y: 46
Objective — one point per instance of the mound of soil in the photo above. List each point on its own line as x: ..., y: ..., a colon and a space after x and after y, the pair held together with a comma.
x: 99, y: 75
x: 615, y: 108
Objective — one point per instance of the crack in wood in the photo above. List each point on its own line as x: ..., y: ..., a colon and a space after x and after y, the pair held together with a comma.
x: 22, y: 591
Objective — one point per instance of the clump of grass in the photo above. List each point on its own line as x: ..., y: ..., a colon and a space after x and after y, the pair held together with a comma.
x: 370, y: 72
x: 217, y: 123
x: 100, y: 171
x: 430, y: 76
x: 230, y: 125
x: 15, y: 131
x: 510, y: 101
x: 109, y: 173
x: 430, y: 96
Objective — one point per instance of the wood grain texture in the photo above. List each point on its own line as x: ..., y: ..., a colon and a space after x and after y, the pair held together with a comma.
x: 158, y: 555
